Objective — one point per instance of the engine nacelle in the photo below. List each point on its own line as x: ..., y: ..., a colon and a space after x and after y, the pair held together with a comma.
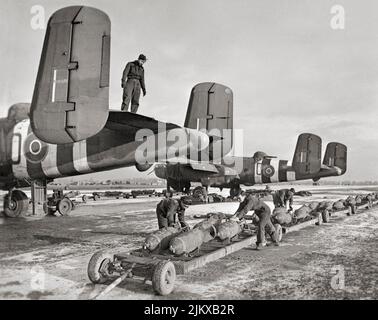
x: 143, y: 167
x: 161, y: 171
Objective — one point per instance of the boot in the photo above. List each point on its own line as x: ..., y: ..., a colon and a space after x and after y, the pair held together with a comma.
x: 260, y: 246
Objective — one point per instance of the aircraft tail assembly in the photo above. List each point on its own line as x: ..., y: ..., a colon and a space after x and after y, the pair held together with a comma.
x: 71, y: 95
x: 336, y: 156
x: 307, y: 161
x: 211, y: 108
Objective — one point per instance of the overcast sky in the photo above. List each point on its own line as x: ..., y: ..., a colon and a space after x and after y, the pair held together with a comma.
x: 289, y: 70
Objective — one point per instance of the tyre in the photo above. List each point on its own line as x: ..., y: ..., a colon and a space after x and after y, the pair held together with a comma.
x: 278, y: 232
x: 199, y: 191
x: 17, y: 205
x: 164, y: 277
x: 64, y: 206
x: 96, y: 197
x: 325, y: 216
x: 235, y: 192
x: 84, y: 198
x: 98, y: 267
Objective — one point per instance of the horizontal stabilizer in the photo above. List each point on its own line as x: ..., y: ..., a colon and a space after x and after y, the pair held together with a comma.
x: 127, y: 123
x: 71, y: 94
x: 208, y: 167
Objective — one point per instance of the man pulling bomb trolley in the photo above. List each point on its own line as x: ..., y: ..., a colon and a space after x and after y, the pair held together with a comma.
x: 263, y: 213
x: 175, y: 248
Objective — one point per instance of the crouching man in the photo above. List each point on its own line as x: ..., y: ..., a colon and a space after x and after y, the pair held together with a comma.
x: 169, y: 210
x: 263, y: 212
x: 282, y: 197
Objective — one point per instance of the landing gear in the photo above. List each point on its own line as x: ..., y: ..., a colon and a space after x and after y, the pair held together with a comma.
x: 200, y: 192
x: 16, y: 203
x: 235, y: 192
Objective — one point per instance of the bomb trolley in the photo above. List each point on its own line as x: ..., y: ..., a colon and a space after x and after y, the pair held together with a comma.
x: 162, y: 267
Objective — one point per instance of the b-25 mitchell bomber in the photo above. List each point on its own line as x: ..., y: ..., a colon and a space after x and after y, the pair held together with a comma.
x: 232, y: 172
x: 69, y: 129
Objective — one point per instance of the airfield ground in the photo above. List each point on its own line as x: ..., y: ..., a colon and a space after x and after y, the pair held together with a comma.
x: 47, y: 257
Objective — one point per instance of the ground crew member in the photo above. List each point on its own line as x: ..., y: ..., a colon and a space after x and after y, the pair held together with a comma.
x: 369, y: 199
x: 262, y: 211
x: 132, y: 83
x: 351, y: 203
x: 282, y: 197
x: 167, y: 210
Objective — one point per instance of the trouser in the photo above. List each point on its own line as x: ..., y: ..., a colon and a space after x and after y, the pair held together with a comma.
x: 162, y: 222
x: 277, y: 200
x: 131, y: 92
x: 352, y: 208
x: 265, y: 225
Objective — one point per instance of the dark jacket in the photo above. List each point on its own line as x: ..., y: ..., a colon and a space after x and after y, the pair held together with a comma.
x: 134, y: 70
x: 252, y: 203
x: 283, y: 196
x: 168, y: 208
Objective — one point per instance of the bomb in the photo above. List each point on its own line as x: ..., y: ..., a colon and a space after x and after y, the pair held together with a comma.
x: 187, y: 242
x: 229, y: 229
x: 313, y: 205
x: 281, y: 216
x: 302, y: 212
x: 161, y: 238
x: 325, y: 205
x: 338, y: 205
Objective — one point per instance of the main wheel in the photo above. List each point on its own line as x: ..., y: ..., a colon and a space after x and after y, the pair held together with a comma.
x: 16, y: 205
x: 235, y: 192
x: 278, y: 228
x: 98, y: 267
x: 199, y: 191
x: 325, y: 216
x: 64, y: 206
x: 164, y: 277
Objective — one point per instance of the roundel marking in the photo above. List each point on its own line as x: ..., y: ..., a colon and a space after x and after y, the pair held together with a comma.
x: 35, y: 147
x: 35, y: 150
x: 268, y: 171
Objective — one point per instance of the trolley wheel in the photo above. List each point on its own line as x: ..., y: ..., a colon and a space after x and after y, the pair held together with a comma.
x: 164, y: 277
x: 17, y: 205
x: 325, y: 216
x: 64, y: 206
x: 278, y: 228
x: 98, y: 267
x: 84, y: 198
